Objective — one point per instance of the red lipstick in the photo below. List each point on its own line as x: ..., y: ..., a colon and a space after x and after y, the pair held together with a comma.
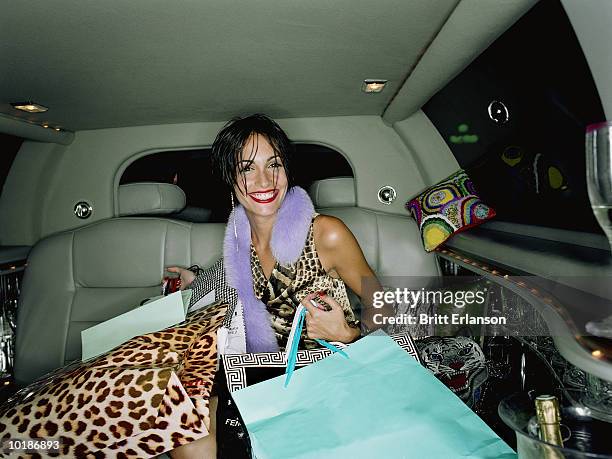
x: 264, y: 197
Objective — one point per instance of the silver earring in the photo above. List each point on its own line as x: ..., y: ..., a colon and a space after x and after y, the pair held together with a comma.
x: 234, y: 213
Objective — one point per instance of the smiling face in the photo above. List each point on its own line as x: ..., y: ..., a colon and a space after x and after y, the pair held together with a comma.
x: 261, y: 177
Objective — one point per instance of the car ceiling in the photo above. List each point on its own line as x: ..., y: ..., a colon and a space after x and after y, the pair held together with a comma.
x: 146, y: 62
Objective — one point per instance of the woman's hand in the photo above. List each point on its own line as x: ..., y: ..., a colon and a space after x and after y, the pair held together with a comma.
x: 329, y: 325
x: 185, y: 275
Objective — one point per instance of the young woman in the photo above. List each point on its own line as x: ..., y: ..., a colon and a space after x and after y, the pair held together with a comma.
x: 278, y: 251
x: 152, y: 393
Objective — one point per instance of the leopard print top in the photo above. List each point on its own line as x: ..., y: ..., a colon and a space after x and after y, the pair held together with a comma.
x: 289, y: 284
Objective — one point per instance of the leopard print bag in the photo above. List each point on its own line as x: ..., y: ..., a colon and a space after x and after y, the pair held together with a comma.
x: 145, y: 397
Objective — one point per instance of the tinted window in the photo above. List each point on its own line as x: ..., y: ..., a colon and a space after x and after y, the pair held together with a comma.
x: 9, y: 146
x: 206, y: 198
x: 531, y: 168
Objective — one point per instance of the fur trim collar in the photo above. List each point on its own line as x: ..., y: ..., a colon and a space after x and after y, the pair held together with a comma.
x: 288, y: 239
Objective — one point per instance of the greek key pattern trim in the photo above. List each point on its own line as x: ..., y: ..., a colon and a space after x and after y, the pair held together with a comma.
x: 405, y: 341
x: 235, y: 365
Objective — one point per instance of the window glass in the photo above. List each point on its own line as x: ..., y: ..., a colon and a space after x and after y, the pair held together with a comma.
x: 531, y: 169
x: 9, y: 146
x: 207, y: 200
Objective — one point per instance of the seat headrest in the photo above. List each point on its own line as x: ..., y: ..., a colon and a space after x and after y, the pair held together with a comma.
x: 333, y: 192
x: 150, y: 198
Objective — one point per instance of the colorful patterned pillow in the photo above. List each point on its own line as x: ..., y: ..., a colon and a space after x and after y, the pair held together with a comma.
x: 446, y: 208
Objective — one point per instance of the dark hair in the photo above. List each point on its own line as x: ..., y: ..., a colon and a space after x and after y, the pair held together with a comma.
x: 231, y: 140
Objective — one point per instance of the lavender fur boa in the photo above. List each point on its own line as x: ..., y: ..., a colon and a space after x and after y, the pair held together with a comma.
x: 288, y: 239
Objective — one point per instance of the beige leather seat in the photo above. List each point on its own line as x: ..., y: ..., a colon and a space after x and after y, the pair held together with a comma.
x: 79, y: 278
x: 391, y: 243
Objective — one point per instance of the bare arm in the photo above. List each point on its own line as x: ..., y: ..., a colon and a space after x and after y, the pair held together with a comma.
x: 342, y: 257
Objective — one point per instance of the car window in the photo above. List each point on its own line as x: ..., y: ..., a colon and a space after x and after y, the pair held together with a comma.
x: 9, y: 146
x: 192, y: 171
x: 529, y: 165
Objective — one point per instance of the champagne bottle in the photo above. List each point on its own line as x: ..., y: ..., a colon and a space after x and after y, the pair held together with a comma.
x: 549, y: 421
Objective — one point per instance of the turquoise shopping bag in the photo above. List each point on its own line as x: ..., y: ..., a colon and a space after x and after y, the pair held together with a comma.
x: 379, y: 403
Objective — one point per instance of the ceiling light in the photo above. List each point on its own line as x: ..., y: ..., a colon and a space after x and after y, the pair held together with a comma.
x: 30, y: 107
x: 372, y: 86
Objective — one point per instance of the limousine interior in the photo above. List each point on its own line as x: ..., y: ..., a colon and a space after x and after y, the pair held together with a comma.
x: 108, y: 111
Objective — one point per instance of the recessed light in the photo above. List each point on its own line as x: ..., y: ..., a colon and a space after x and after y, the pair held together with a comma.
x: 57, y: 129
x: 30, y: 107
x: 373, y: 86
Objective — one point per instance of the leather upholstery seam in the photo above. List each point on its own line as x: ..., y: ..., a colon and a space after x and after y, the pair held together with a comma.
x: 164, y: 249
x: 378, y: 245
x: 71, y: 306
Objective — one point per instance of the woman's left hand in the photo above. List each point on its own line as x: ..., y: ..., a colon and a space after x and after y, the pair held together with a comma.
x: 329, y: 325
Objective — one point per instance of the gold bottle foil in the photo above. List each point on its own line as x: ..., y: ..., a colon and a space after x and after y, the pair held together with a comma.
x: 549, y: 421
